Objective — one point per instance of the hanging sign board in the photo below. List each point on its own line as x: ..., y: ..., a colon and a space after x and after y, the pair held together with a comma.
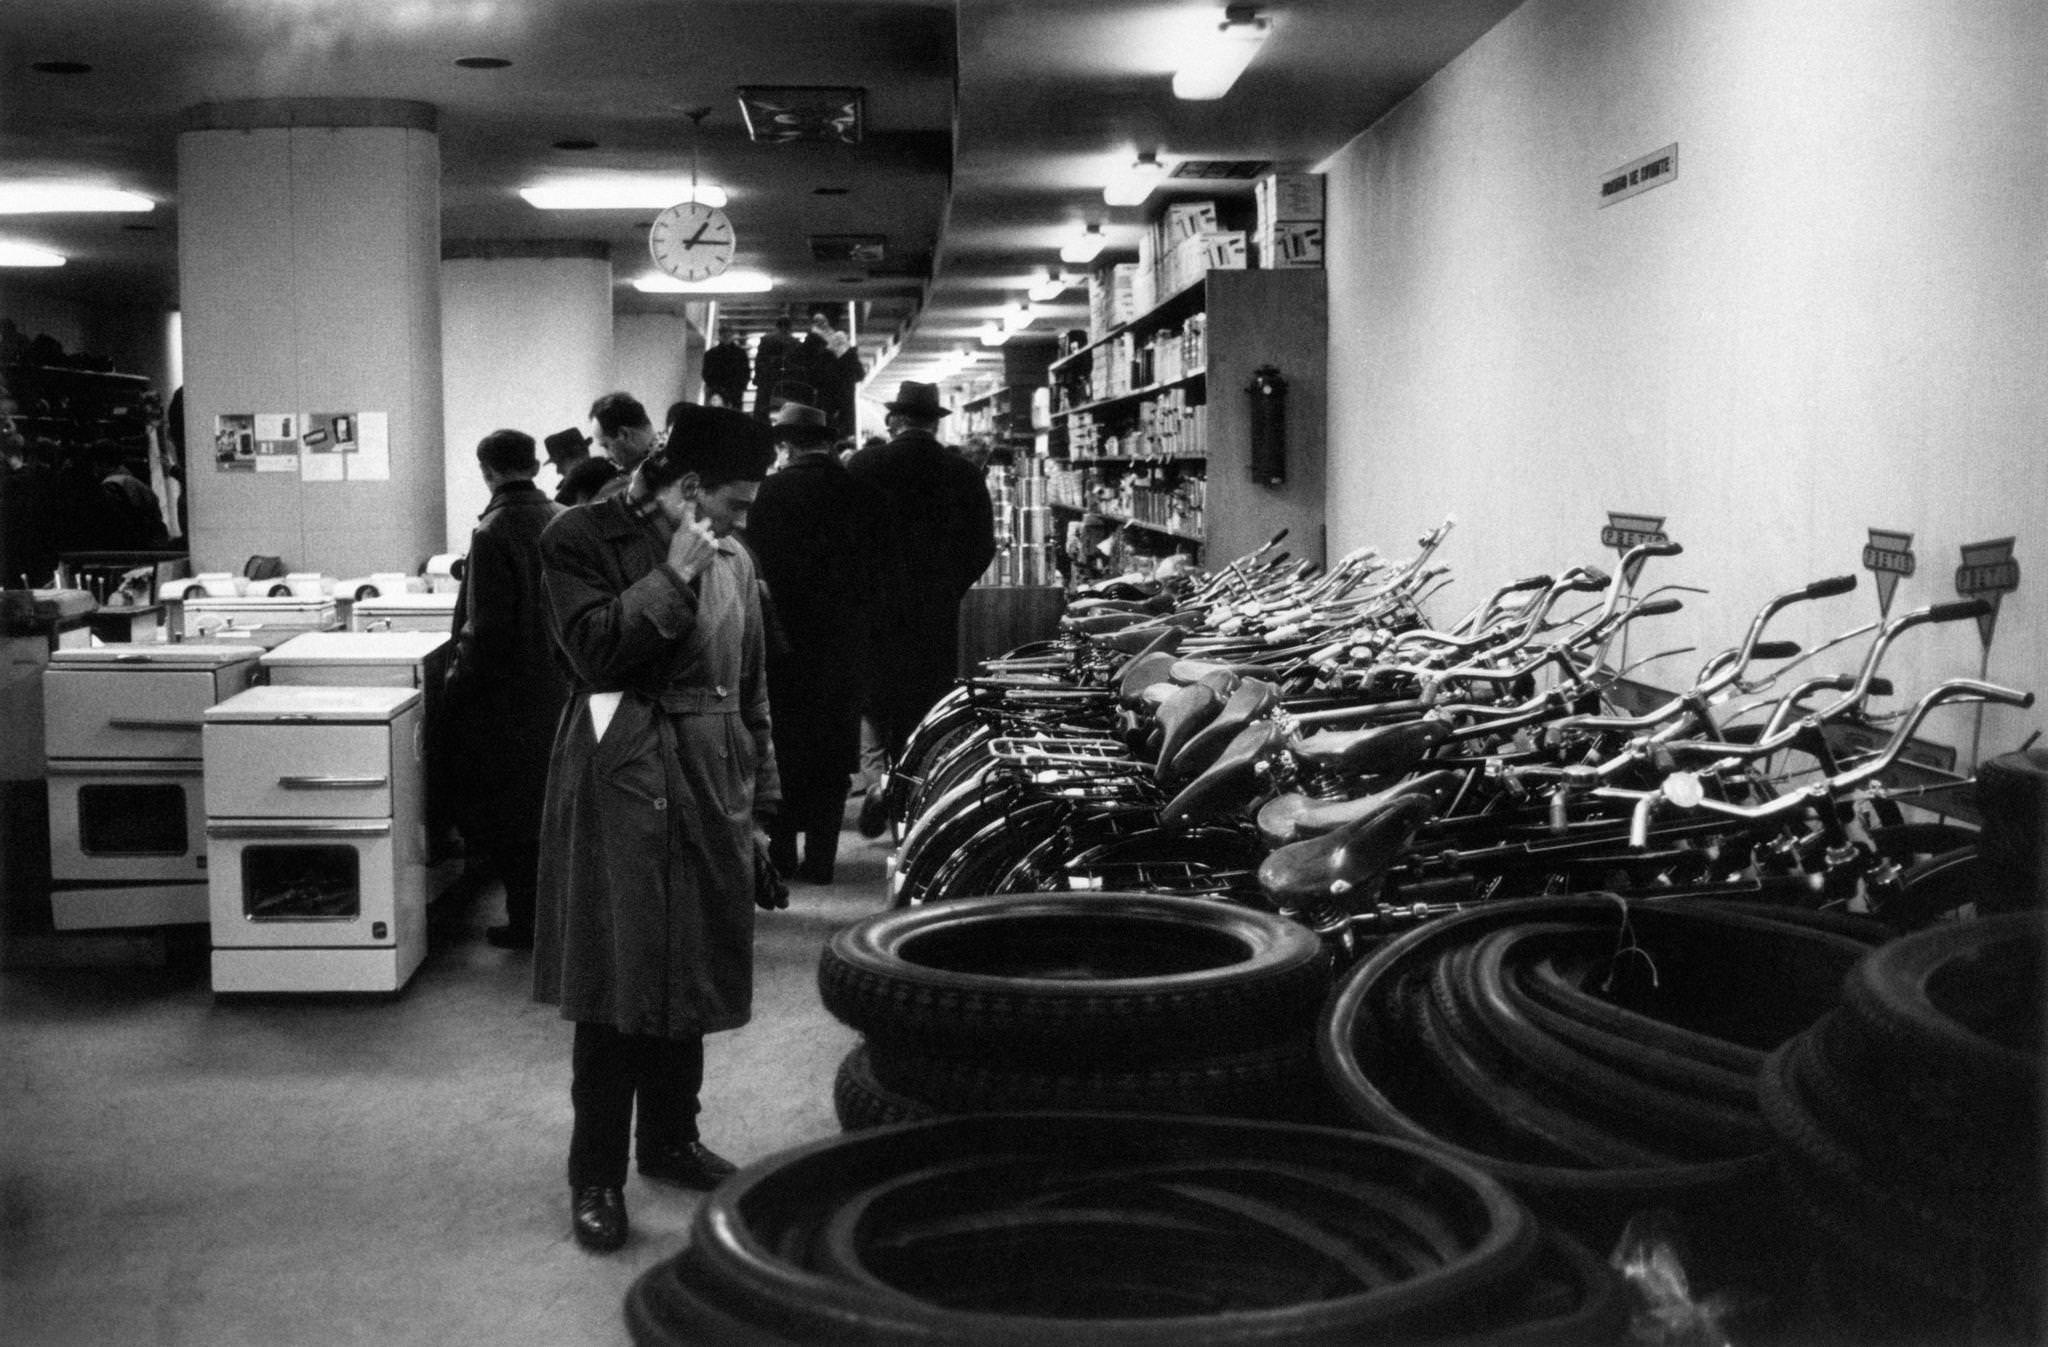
x: 1988, y: 572
x: 1888, y: 556
x: 1638, y: 176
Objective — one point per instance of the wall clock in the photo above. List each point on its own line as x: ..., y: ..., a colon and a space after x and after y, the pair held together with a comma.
x: 691, y: 241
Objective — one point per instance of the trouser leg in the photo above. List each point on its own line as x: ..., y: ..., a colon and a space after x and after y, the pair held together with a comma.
x: 601, y: 1093
x: 874, y: 759
x: 671, y: 1075
x: 518, y: 862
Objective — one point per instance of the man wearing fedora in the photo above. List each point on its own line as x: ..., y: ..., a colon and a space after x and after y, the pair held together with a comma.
x: 814, y: 530
x: 940, y: 527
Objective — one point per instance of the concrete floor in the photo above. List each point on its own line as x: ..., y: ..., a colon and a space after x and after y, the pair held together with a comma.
x: 383, y: 1171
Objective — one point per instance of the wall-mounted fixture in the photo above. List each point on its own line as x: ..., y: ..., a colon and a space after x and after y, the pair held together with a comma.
x: 1268, y: 397
x: 1214, y: 62
x: 1136, y: 182
x: 1083, y: 247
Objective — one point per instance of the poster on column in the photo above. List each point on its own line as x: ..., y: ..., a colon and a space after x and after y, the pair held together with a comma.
x: 277, y: 444
x: 329, y: 439
x: 234, y: 442
x: 371, y: 462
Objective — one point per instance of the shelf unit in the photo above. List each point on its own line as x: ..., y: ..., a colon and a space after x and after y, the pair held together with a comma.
x: 1002, y: 414
x: 1247, y: 319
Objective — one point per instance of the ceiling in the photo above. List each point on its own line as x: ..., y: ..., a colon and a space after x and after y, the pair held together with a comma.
x: 988, y: 127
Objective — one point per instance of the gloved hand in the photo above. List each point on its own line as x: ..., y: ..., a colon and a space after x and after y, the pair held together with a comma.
x: 770, y: 893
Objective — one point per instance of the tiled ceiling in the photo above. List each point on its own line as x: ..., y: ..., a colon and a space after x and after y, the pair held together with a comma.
x: 987, y: 126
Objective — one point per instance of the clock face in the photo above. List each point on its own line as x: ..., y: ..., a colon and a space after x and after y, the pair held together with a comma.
x: 691, y: 241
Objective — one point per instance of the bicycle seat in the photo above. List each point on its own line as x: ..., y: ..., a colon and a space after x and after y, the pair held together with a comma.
x: 1300, y: 874
x: 1191, y: 670
x: 1295, y: 817
x: 1384, y: 748
x: 1142, y: 672
x: 1253, y: 698
x: 1232, y: 781
x: 1183, y: 714
x: 1095, y: 624
x: 1133, y: 640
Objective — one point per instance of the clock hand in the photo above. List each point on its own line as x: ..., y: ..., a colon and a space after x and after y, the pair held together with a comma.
x: 691, y: 241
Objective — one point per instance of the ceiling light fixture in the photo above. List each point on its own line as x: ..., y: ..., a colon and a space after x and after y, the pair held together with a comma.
x: 63, y: 198
x: 1017, y: 317
x: 994, y: 334
x: 1083, y: 247
x: 21, y: 255
x: 620, y: 194
x: 731, y: 283
x: 1136, y: 182
x: 1215, y: 60
x: 1048, y: 287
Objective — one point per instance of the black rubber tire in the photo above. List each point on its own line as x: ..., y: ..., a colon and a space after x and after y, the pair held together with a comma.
x: 1112, y: 976
x: 1278, y: 1081
x: 1031, y: 1229
x: 861, y: 1101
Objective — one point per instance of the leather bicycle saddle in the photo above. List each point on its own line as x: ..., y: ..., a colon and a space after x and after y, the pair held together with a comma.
x: 1145, y: 637
x: 1295, y: 817
x: 1296, y: 876
x: 1191, y: 670
x: 1233, y: 780
x: 1142, y: 673
x: 1253, y: 698
x: 1187, y: 712
x: 1095, y: 624
x: 1383, y: 748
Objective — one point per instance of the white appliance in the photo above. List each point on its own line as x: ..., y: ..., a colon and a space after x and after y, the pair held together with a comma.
x: 318, y: 873
x: 403, y: 612
x: 262, y: 620
x: 122, y: 736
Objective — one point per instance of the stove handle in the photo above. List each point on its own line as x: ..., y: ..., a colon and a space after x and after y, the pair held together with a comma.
x: 310, y: 828
x: 334, y: 782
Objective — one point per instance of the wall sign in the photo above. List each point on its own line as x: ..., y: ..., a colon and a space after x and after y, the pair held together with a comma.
x: 1632, y: 179
x: 1988, y: 572
x: 1888, y: 556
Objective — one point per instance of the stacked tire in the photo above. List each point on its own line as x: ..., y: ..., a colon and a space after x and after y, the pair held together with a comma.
x: 1121, y: 1002
x: 1600, y: 1058
x: 1910, y: 1123
x: 1120, y: 1230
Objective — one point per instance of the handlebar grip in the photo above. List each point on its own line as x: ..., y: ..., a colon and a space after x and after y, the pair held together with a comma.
x: 1828, y: 588
x: 1774, y: 650
x: 1879, y: 687
x: 1592, y: 577
x: 1958, y: 610
x: 1533, y: 582
x: 1656, y: 608
x: 1274, y: 541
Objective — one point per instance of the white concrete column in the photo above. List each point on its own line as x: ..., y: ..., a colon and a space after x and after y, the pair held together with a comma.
x: 308, y: 260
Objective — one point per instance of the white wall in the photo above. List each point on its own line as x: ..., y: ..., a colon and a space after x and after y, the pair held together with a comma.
x: 1834, y: 319
x: 526, y: 345
x: 658, y: 358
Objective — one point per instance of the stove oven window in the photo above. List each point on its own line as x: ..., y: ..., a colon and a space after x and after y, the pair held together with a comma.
x: 302, y: 882
x: 132, y: 819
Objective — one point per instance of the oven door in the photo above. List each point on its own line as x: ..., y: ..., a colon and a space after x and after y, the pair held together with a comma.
x: 307, y: 882
x: 126, y: 822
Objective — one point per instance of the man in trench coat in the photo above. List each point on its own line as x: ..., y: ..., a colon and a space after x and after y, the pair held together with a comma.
x: 662, y: 762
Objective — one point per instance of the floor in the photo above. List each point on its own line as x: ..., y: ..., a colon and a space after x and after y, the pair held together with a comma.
x: 274, y: 1171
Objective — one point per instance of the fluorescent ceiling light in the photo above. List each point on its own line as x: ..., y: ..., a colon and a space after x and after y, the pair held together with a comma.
x: 21, y: 255
x: 994, y: 334
x: 60, y: 198
x: 1215, y: 59
x: 1084, y: 247
x: 1049, y: 288
x: 620, y: 194
x: 1136, y: 182
x: 1017, y: 317
x: 731, y: 283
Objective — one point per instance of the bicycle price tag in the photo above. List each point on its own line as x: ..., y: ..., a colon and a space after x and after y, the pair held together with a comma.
x: 1988, y: 572
x: 1888, y: 556
x: 1624, y: 531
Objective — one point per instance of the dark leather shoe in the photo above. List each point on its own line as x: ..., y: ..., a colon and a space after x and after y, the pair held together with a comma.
x: 872, y: 819
x: 598, y: 1218
x: 508, y: 937
x: 691, y: 1165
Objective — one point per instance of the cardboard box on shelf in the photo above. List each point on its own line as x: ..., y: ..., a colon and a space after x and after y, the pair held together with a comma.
x: 1289, y: 196
x: 1294, y: 243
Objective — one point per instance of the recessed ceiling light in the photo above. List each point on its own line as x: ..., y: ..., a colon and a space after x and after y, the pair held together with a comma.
x: 619, y: 194
x: 61, y: 68
x: 482, y: 62
x: 575, y: 144
x: 21, y: 255
x: 830, y: 191
x: 67, y: 198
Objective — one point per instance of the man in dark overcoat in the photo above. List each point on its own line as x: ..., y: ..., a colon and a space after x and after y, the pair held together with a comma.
x: 726, y: 371
x: 814, y: 530
x: 505, y: 686
x: 662, y: 762
x: 771, y: 354
x: 941, y: 526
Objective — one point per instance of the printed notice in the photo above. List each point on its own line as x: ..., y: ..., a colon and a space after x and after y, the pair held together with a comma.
x: 1652, y: 170
x: 234, y: 442
x: 371, y: 461
x: 277, y: 445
